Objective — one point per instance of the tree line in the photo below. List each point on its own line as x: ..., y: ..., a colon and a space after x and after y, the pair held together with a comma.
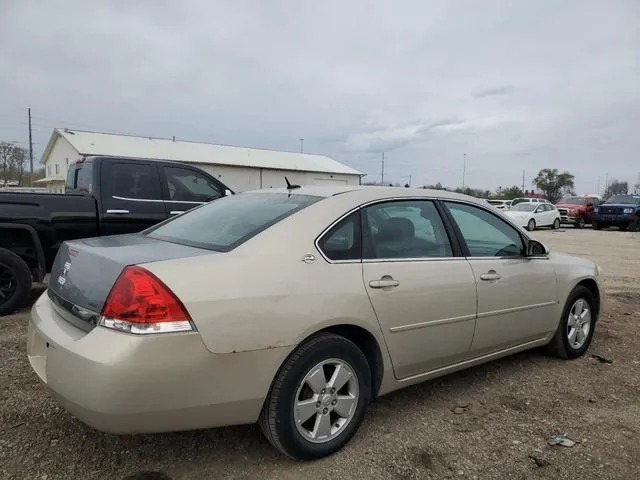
x: 14, y: 165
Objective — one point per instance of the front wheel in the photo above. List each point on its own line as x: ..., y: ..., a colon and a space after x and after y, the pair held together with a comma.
x: 556, y: 224
x: 318, y: 399
x: 580, y: 223
x: 595, y: 225
x: 575, y: 331
x: 634, y: 226
x: 531, y: 226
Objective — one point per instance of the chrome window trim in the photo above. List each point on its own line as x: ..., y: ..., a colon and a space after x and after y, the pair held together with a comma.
x: 155, y: 201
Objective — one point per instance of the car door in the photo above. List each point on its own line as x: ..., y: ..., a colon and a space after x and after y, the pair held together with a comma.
x: 516, y: 294
x: 130, y: 196
x: 185, y: 187
x: 424, y: 295
x: 539, y: 215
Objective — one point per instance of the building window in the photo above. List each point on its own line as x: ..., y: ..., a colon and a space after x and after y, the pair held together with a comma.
x: 57, y: 169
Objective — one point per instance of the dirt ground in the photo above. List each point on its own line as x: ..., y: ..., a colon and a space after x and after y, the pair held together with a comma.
x: 491, y: 421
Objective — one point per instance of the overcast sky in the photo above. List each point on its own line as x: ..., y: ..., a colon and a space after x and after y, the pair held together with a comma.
x: 517, y: 85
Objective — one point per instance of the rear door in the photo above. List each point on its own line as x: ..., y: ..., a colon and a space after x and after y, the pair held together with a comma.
x: 131, y: 196
x: 423, y: 294
x: 186, y: 187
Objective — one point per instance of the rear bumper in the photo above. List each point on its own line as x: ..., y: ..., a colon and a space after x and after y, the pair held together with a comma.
x: 121, y: 383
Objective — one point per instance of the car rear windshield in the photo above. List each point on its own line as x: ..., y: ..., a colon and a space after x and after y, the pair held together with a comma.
x: 572, y: 201
x: 224, y: 224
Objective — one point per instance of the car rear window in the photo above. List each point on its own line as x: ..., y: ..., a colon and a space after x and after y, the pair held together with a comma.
x: 224, y: 224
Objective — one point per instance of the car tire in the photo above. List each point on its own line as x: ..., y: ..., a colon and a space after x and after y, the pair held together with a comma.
x: 580, y: 223
x: 556, y: 224
x: 596, y: 226
x: 283, y: 424
x: 15, y: 282
x: 634, y: 226
x: 531, y: 226
x: 562, y: 344
x: 623, y: 227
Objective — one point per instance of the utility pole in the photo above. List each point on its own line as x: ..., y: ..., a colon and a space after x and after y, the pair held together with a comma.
x: 523, y: 182
x: 464, y: 169
x: 382, y: 176
x: 302, y: 145
x: 30, y: 151
x: 606, y: 183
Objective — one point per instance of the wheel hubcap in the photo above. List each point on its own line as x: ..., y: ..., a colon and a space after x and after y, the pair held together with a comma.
x: 579, y: 324
x: 7, y: 283
x: 326, y: 400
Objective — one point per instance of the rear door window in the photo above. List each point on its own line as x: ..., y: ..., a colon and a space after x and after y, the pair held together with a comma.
x: 133, y: 181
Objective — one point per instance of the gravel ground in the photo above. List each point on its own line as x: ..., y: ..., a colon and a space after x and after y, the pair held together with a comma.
x: 491, y: 421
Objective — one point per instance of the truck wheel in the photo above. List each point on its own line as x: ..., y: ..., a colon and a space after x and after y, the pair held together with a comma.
x: 15, y: 282
x: 596, y: 226
x: 634, y: 226
x: 623, y: 227
x: 580, y: 223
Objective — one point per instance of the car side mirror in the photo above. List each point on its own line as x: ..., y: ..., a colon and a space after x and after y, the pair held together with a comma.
x: 536, y: 249
x: 227, y: 192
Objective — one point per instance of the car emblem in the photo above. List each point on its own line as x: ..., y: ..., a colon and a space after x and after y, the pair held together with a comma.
x: 309, y: 258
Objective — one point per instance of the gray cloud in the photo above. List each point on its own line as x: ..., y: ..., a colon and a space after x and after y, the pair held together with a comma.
x: 489, y: 92
x: 515, y: 86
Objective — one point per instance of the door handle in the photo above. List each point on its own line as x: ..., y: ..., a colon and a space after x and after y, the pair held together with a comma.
x: 384, y: 282
x: 490, y: 275
x: 176, y: 212
x: 118, y: 212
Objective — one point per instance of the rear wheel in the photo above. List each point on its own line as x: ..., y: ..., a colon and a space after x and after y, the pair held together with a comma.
x: 575, y: 331
x: 15, y: 282
x: 531, y: 226
x: 318, y: 398
x: 556, y: 224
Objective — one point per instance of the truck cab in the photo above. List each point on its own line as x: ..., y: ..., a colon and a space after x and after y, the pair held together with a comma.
x: 622, y: 211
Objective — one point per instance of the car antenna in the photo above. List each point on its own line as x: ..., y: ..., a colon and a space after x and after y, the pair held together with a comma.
x: 289, y: 186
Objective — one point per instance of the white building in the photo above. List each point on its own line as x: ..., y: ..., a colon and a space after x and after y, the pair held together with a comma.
x: 239, y: 168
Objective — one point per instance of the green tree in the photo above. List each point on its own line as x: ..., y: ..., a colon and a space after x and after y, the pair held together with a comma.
x: 554, y: 184
x: 510, y: 193
x: 616, y: 188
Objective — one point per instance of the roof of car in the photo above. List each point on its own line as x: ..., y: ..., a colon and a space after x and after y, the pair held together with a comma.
x: 368, y: 191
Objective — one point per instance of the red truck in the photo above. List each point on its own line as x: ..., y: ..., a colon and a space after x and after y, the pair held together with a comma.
x: 577, y: 211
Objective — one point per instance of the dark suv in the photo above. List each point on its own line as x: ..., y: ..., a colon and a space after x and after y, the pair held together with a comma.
x: 622, y: 211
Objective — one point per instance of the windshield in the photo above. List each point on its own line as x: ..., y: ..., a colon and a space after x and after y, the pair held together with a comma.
x: 572, y: 201
x: 626, y: 199
x: 525, y: 207
x: 224, y: 224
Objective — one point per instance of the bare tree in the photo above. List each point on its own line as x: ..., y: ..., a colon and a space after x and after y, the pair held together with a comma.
x: 616, y: 188
x: 13, y: 161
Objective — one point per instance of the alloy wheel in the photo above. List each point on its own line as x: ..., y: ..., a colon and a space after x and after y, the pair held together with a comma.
x: 326, y: 400
x: 8, y: 283
x: 578, y: 323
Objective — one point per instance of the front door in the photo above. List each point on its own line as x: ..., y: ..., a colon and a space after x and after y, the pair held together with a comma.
x: 517, y: 295
x: 423, y: 295
x: 130, y: 196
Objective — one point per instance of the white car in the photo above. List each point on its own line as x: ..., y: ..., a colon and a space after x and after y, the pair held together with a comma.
x: 531, y: 215
x: 500, y: 204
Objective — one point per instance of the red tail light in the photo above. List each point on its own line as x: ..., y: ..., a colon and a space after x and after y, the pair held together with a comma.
x: 140, y: 303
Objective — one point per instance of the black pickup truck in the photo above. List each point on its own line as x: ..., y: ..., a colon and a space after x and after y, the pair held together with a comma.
x: 104, y: 196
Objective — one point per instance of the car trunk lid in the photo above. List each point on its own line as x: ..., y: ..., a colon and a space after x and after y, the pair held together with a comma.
x: 84, y: 271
